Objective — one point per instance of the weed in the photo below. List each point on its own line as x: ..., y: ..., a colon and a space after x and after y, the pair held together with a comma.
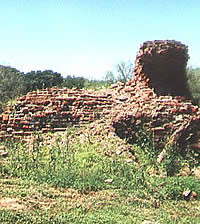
x: 77, y: 165
x: 173, y: 187
x: 41, y: 178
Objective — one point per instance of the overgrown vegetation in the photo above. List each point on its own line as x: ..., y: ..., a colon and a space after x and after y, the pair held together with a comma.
x: 41, y: 80
x: 11, y: 85
x: 74, y: 180
x: 78, y: 166
x: 193, y: 75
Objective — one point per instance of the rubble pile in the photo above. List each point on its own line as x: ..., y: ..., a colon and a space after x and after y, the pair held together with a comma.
x: 159, y: 117
x: 158, y: 105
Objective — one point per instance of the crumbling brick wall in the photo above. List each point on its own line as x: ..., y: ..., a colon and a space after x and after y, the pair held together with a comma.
x: 158, y: 102
x: 149, y: 98
x: 53, y: 110
x: 164, y: 63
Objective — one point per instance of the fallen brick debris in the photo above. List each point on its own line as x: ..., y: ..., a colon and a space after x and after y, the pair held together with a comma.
x: 156, y: 97
x: 159, y: 101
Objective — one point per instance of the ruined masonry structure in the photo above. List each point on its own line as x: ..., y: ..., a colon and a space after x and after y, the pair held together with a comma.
x: 155, y: 99
x: 164, y: 63
x: 52, y: 110
x: 159, y: 102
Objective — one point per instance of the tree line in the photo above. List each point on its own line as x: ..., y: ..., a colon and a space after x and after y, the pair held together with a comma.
x: 15, y: 83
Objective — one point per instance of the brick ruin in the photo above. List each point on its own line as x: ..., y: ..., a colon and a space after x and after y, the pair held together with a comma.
x: 159, y: 102
x: 52, y: 110
x: 154, y: 98
x: 162, y: 62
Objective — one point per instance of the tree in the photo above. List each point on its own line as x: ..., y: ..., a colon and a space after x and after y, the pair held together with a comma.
x: 193, y: 79
x: 72, y: 81
x: 125, y: 71
x: 11, y: 84
x: 41, y: 79
x: 110, y: 78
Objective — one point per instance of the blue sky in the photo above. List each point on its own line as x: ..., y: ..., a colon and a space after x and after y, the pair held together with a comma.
x: 89, y: 37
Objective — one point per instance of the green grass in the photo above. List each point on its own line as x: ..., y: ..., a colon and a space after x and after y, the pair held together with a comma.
x: 80, y: 167
x: 65, y: 182
x: 40, y: 203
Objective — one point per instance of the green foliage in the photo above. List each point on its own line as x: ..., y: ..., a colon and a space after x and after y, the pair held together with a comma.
x: 172, y: 187
x: 193, y: 76
x: 43, y: 178
x: 96, y: 84
x: 124, y: 72
x: 8, y: 217
x: 11, y: 84
x: 78, y: 166
x: 83, y: 83
x: 82, y: 167
x: 112, y: 212
x: 41, y: 79
x: 74, y: 82
x: 110, y: 78
x: 173, y: 160
x: 101, y: 216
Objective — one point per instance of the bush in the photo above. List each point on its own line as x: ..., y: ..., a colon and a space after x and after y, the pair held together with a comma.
x: 11, y: 85
x: 193, y: 76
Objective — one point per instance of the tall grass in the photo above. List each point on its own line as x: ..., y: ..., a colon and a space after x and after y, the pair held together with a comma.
x: 77, y: 166
x: 80, y: 166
